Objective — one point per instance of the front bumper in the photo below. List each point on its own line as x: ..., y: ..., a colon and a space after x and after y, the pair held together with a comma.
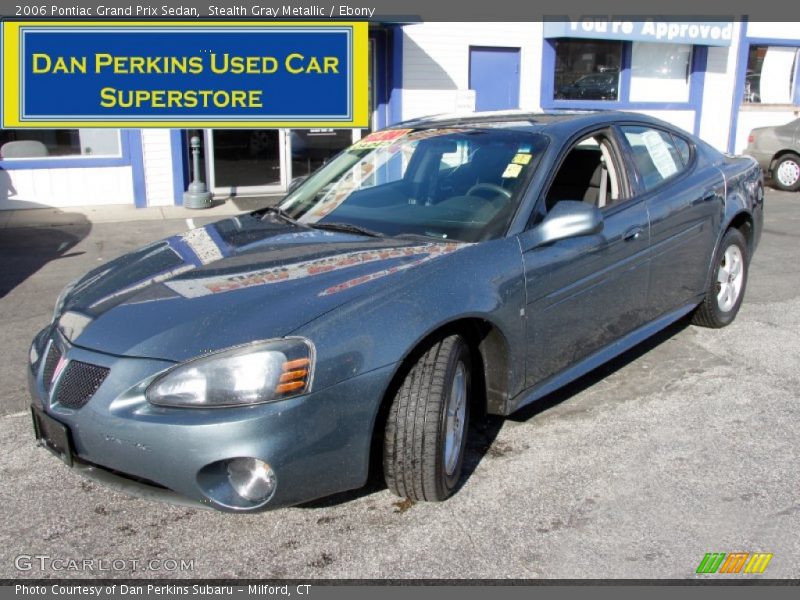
x: 317, y: 444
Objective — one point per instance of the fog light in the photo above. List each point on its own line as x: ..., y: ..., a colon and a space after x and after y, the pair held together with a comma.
x: 251, y: 478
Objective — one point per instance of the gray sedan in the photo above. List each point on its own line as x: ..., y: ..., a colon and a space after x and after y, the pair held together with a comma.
x: 432, y: 272
x: 777, y: 150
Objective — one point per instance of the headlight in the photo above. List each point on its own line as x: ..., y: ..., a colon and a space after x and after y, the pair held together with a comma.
x: 62, y: 298
x: 251, y: 374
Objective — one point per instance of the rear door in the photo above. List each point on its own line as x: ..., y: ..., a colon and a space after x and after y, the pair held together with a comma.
x: 585, y: 292
x: 684, y: 200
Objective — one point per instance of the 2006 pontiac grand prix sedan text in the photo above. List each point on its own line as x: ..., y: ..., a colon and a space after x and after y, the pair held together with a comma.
x: 441, y: 268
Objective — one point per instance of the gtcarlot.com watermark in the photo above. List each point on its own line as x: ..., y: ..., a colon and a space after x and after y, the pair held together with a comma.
x: 45, y: 562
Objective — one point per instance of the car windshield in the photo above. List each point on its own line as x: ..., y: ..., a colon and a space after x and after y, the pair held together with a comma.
x: 450, y: 183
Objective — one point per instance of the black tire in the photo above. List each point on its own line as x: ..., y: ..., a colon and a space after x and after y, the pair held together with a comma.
x: 710, y: 313
x: 414, y: 440
x: 790, y: 162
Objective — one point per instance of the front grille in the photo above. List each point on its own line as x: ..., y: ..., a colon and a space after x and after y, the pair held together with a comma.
x: 79, y: 383
x: 50, y: 362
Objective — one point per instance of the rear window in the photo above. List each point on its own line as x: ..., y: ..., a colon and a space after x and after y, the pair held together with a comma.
x: 657, y: 155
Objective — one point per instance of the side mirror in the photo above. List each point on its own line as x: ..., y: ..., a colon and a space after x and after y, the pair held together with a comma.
x: 568, y: 219
x: 294, y: 183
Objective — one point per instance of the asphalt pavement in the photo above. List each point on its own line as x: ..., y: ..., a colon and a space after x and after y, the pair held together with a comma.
x: 686, y: 445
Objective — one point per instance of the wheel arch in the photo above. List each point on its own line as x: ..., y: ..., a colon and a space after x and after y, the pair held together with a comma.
x: 780, y: 154
x: 491, y: 352
x: 491, y: 362
x: 743, y: 221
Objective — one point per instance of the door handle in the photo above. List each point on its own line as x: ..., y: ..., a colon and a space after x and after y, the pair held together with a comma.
x: 633, y: 234
x: 710, y: 195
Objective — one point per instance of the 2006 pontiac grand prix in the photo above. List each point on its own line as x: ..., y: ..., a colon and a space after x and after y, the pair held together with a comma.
x: 441, y: 268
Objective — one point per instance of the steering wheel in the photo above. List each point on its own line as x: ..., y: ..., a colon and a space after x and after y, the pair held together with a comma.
x: 489, y: 187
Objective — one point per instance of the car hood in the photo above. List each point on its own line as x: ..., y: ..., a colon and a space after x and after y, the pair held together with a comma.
x: 228, y: 283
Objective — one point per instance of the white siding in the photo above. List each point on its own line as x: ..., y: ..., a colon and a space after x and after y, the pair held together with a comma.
x: 680, y: 118
x: 41, y: 188
x: 436, y: 62
x: 718, y: 91
x: 436, y: 68
x: 157, y: 153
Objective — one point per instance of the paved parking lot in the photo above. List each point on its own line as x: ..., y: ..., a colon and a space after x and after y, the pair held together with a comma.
x: 686, y: 445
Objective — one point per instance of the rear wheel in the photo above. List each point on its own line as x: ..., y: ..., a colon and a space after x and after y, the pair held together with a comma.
x: 426, y: 430
x: 726, y: 291
x: 786, y: 173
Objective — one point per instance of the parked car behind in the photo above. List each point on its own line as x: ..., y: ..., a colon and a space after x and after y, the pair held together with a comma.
x: 595, y: 86
x: 777, y: 150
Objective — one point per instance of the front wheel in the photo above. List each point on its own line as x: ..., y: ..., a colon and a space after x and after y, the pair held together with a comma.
x: 726, y: 291
x: 426, y: 431
x: 786, y: 173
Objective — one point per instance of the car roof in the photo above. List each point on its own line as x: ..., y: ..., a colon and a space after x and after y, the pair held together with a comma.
x: 525, y: 120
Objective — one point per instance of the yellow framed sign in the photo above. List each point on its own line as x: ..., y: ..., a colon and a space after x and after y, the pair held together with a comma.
x: 184, y: 74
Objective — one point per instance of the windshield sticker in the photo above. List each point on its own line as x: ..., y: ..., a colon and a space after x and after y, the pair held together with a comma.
x: 205, y: 286
x: 512, y: 170
x: 330, y: 202
x: 392, y: 137
x: 380, y: 139
x: 521, y: 159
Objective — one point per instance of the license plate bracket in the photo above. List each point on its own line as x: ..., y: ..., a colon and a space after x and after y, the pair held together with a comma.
x: 52, y: 435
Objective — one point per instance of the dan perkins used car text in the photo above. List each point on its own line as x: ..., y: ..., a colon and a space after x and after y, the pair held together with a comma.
x: 213, y: 10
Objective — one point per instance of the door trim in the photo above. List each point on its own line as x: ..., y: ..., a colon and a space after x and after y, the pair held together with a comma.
x: 597, y: 358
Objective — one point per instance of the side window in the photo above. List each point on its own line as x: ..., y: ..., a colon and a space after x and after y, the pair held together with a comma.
x: 655, y: 154
x: 588, y: 174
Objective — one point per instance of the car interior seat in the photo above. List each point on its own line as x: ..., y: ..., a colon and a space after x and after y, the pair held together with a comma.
x: 578, y: 178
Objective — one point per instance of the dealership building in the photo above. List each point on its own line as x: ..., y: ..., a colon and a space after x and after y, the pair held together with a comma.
x: 717, y: 80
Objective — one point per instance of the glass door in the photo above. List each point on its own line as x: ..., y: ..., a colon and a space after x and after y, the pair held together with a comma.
x: 246, y: 162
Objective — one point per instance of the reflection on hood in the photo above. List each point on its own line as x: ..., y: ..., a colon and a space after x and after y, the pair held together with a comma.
x: 217, y: 284
x: 220, y: 285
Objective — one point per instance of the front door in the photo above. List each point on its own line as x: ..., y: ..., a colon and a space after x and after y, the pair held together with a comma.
x: 585, y: 292
x: 246, y: 161
x: 494, y: 75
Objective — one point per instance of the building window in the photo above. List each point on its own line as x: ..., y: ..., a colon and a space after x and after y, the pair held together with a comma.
x: 660, y: 72
x: 59, y: 143
x: 587, y: 69
x: 616, y: 74
x: 770, y: 77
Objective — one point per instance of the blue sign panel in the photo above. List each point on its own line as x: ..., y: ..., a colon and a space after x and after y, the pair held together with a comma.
x: 673, y: 32
x: 174, y: 75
